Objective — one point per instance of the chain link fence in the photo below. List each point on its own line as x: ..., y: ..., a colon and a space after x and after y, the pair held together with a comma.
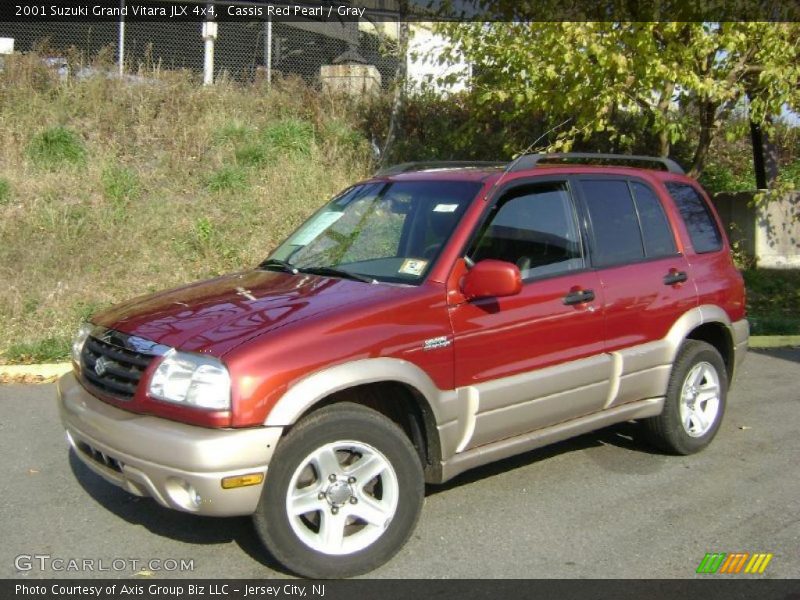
x: 244, y: 51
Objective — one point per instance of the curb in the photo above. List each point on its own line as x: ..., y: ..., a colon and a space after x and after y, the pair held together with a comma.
x: 45, y: 373
x: 774, y: 341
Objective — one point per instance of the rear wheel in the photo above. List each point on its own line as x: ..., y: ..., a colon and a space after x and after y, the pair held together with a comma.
x: 695, y: 401
x: 343, y: 493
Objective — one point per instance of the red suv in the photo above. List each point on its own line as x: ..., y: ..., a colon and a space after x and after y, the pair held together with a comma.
x: 429, y: 320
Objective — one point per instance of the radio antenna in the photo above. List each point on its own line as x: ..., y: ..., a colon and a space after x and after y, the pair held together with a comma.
x: 469, y: 262
x: 513, y: 163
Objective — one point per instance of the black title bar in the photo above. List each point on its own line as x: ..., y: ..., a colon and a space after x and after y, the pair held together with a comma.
x: 718, y: 588
x: 390, y: 10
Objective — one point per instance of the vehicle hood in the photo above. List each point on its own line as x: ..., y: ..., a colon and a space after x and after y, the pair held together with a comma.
x: 220, y: 314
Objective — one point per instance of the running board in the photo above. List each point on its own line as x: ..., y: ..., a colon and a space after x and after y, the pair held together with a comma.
x: 555, y: 433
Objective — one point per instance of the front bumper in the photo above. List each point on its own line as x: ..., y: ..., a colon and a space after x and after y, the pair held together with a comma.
x: 181, y: 466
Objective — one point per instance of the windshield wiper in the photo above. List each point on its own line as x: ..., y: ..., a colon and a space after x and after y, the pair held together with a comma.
x: 276, y: 263
x: 337, y: 273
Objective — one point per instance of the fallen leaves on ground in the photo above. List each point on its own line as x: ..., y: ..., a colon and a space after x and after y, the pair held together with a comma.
x: 9, y: 378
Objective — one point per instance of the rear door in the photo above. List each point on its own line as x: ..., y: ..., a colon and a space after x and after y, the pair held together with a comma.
x: 646, y: 282
x: 536, y: 358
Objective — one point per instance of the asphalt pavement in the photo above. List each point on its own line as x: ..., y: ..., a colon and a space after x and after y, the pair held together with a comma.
x: 602, y: 505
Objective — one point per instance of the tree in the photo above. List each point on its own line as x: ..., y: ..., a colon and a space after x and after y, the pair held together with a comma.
x: 683, y: 79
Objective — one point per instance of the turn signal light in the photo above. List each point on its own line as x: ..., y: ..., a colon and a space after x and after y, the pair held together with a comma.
x: 242, y: 480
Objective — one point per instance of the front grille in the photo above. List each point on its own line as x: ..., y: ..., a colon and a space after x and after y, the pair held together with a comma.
x: 121, y: 367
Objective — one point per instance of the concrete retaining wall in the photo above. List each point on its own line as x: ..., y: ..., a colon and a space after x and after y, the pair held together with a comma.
x: 769, y: 234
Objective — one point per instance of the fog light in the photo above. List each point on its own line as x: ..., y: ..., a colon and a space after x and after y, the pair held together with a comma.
x: 242, y: 480
x: 183, y: 494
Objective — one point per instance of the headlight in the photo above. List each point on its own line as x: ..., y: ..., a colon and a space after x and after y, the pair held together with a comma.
x: 79, y: 340
x: 192, y: 380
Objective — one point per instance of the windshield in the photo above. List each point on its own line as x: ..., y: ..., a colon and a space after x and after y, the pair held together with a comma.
x: 383, y: 231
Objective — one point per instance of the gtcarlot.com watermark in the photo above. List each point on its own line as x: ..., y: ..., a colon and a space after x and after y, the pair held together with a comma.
x: 59, y: 564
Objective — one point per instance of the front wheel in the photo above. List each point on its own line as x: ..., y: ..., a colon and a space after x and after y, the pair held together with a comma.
x: 343, y: 493
x: 695, y: 401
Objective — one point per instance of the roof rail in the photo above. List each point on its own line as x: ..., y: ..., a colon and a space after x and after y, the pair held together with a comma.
x: 436, y: 164
x: 529, y: 161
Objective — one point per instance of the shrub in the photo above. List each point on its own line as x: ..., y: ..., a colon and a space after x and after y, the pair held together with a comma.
x: 720, y: 178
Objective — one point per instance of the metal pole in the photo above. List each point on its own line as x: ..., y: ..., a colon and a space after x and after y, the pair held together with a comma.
x: 121, y: 44
x: 210, y: 36
x: 208, y: 62
x: 268, y: 49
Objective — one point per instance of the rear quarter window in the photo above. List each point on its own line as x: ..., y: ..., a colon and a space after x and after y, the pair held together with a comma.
x: 700, y: 223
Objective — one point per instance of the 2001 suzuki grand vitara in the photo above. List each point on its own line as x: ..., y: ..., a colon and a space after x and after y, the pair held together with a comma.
x: 427, y: 321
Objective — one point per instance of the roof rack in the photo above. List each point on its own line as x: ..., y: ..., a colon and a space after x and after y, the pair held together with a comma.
x: 530, y: 161
x: 436, y: 164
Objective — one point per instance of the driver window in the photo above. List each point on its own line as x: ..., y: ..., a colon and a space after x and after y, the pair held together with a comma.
x: 536, y: 229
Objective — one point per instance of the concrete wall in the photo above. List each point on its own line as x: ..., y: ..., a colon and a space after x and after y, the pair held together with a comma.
x: 770, y: 234
x: 356, y: 80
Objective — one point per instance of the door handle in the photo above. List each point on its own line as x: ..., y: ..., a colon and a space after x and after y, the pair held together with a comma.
x: 674, y: 277
x: 579, y: 297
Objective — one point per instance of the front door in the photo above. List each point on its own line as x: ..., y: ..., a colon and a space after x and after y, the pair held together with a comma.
x: 536, y: 358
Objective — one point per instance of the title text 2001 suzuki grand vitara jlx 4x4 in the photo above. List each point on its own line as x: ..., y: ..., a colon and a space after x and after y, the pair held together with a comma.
x: 422, y: 323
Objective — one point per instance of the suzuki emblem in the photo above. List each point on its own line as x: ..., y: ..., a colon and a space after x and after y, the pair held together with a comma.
x: 100, y: 366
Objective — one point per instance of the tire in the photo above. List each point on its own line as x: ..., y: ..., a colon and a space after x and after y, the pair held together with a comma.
x: 359, y: 513
x: 695, y: 401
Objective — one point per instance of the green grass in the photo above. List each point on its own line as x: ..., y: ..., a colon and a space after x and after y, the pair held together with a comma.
x: 120, y: 184
x: 5, y: 191
x: 773, y: 301
x: 292, y: 138
x: 341, y: 133
x: 233, y: 132
x: 228, y: 179
x: 55, y: 147
x: 52, y: 349
x: 140, y: 188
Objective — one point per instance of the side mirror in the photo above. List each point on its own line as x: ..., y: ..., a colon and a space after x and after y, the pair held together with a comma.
x: 491, y: 279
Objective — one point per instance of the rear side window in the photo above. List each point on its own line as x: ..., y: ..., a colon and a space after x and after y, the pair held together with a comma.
x: 656, y: 232
x: 615, y: 226
x: 702, y: 228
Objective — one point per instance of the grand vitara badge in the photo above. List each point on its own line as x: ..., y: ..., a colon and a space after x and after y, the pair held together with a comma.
x: 101, y: 366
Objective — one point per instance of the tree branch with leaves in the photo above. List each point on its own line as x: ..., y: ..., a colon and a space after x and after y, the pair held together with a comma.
x: 684, y: 79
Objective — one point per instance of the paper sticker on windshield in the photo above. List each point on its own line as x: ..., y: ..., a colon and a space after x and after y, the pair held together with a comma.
x: 413, y: 266
x: 445, y: 208
x: 313, y: 228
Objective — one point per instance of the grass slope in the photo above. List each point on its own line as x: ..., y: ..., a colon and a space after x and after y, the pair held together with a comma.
x: 112, y: 189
